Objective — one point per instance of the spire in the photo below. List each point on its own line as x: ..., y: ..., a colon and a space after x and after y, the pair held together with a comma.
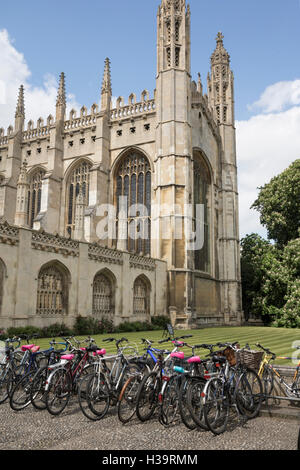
x: 61, y: 95
x: 20, y: 111
x: 106, y: 90
x: 220, y: 55
x: 220, y: 84
x: 61, y: 98
x: 199, y: 85
x: 106, y: 82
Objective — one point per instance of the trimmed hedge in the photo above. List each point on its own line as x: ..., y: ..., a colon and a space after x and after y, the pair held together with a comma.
x: 86, y: 326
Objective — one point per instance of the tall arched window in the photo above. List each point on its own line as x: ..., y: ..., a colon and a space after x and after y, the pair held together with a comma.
x: 52, y: 292
x: 78, y: 180
x: 103, y: 301
x: 133, y: 181
x: 141, y: 297
x: 202, y: 191
x: 34, y: 195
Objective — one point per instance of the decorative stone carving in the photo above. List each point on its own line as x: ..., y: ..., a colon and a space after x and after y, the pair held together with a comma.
x: 54, y: 244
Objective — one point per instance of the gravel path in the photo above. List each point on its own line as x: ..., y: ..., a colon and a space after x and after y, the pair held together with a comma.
x: 34, y: 430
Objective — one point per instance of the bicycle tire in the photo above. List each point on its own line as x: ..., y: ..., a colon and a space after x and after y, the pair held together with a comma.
x: 248, y: 394
x: 98, y: 395
x: 184, y: 411
x: 216, y: 406
x: 147, y: 398
x: 37, y: 390
x: 127, y: 402
x: 267, y: 379
x: 169, y: 406
x: 194, y: 403
x: 59, y: 392
x: 20, y: 396
x: 5, y: 379
x: 82, y: 398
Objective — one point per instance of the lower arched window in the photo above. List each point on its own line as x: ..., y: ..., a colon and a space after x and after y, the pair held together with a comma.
x: 102, y: 296
x: 141, y: 297
x: 52, y: 292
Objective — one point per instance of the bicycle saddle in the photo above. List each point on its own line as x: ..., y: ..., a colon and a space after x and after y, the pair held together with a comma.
x: 178, y: 355
x: 27, y: 347
x: 194, y: 359
x: 68, y: 357
x: 99, y: 352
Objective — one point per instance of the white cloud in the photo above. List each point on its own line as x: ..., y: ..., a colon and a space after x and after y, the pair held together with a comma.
x: 14, y: 71
x: 266, y: 145
x: 278, y: 97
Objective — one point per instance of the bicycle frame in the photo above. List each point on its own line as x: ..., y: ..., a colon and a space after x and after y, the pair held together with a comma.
x: 72, y: 368
x: 266, y: 362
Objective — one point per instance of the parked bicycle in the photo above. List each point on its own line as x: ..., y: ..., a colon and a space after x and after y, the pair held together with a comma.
x: 64, y: 377
x: 102, y: 387
x: 267, y: 372
x: 236, y: 386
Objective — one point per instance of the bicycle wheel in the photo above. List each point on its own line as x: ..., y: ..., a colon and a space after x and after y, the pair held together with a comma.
x: 216, y: 406
x: 194, y: 402
x: 37, y: 390
x: 248, y: 394
x: 184, y: 411
x: 97, y: 395
x: 5, y: 379
x: 58, y: 392
x: 147, y: 398
x: 267, y: 380
x: 128, y: 398
x: 82, y: 398
x: 169, y: 407
x: 20, y: 396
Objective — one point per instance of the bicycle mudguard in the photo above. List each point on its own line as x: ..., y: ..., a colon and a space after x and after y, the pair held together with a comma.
x: 54, y: 368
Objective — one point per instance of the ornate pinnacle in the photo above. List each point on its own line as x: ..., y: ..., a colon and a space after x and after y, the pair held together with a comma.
x: 220, y: 38
x: 61, y: 95
x: 20, y: 111
x: 220, y: 55
x: 23, y: 173
x: 106, y: 82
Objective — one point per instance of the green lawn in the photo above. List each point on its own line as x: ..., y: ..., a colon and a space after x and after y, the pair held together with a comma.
x: 279, y: 340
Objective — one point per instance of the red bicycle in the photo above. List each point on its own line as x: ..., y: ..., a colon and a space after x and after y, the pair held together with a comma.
x: 64, y: 377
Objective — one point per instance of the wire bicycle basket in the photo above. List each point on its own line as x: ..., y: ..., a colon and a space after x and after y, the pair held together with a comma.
x: 249, y: 358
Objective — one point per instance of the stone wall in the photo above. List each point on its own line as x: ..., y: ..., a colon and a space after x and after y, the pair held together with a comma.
x: 24, y: 253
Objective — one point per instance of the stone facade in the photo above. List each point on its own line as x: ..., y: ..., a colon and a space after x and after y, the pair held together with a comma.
x: 167, y: 152
x: 50, y: 279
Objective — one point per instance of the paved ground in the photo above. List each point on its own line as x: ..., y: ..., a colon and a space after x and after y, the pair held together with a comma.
x: 35, y: 430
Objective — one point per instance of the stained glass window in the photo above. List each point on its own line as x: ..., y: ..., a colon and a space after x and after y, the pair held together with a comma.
x: 133, y: 180
x: 202, y: 197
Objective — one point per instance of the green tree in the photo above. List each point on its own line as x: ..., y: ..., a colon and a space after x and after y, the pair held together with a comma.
x: 271, y: 271
x: 279, y: 205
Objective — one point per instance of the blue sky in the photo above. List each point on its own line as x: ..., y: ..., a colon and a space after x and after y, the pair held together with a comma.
x: 38, y: 40
x: 262, y: 38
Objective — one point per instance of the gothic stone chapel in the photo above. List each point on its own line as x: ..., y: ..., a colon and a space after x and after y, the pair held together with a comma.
x: 61, y: 178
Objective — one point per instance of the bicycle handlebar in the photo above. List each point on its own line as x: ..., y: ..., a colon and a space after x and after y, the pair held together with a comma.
x: 266, y: 350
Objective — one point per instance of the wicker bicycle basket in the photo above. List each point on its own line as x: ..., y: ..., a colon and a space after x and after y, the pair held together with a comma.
x: 248, y: 358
